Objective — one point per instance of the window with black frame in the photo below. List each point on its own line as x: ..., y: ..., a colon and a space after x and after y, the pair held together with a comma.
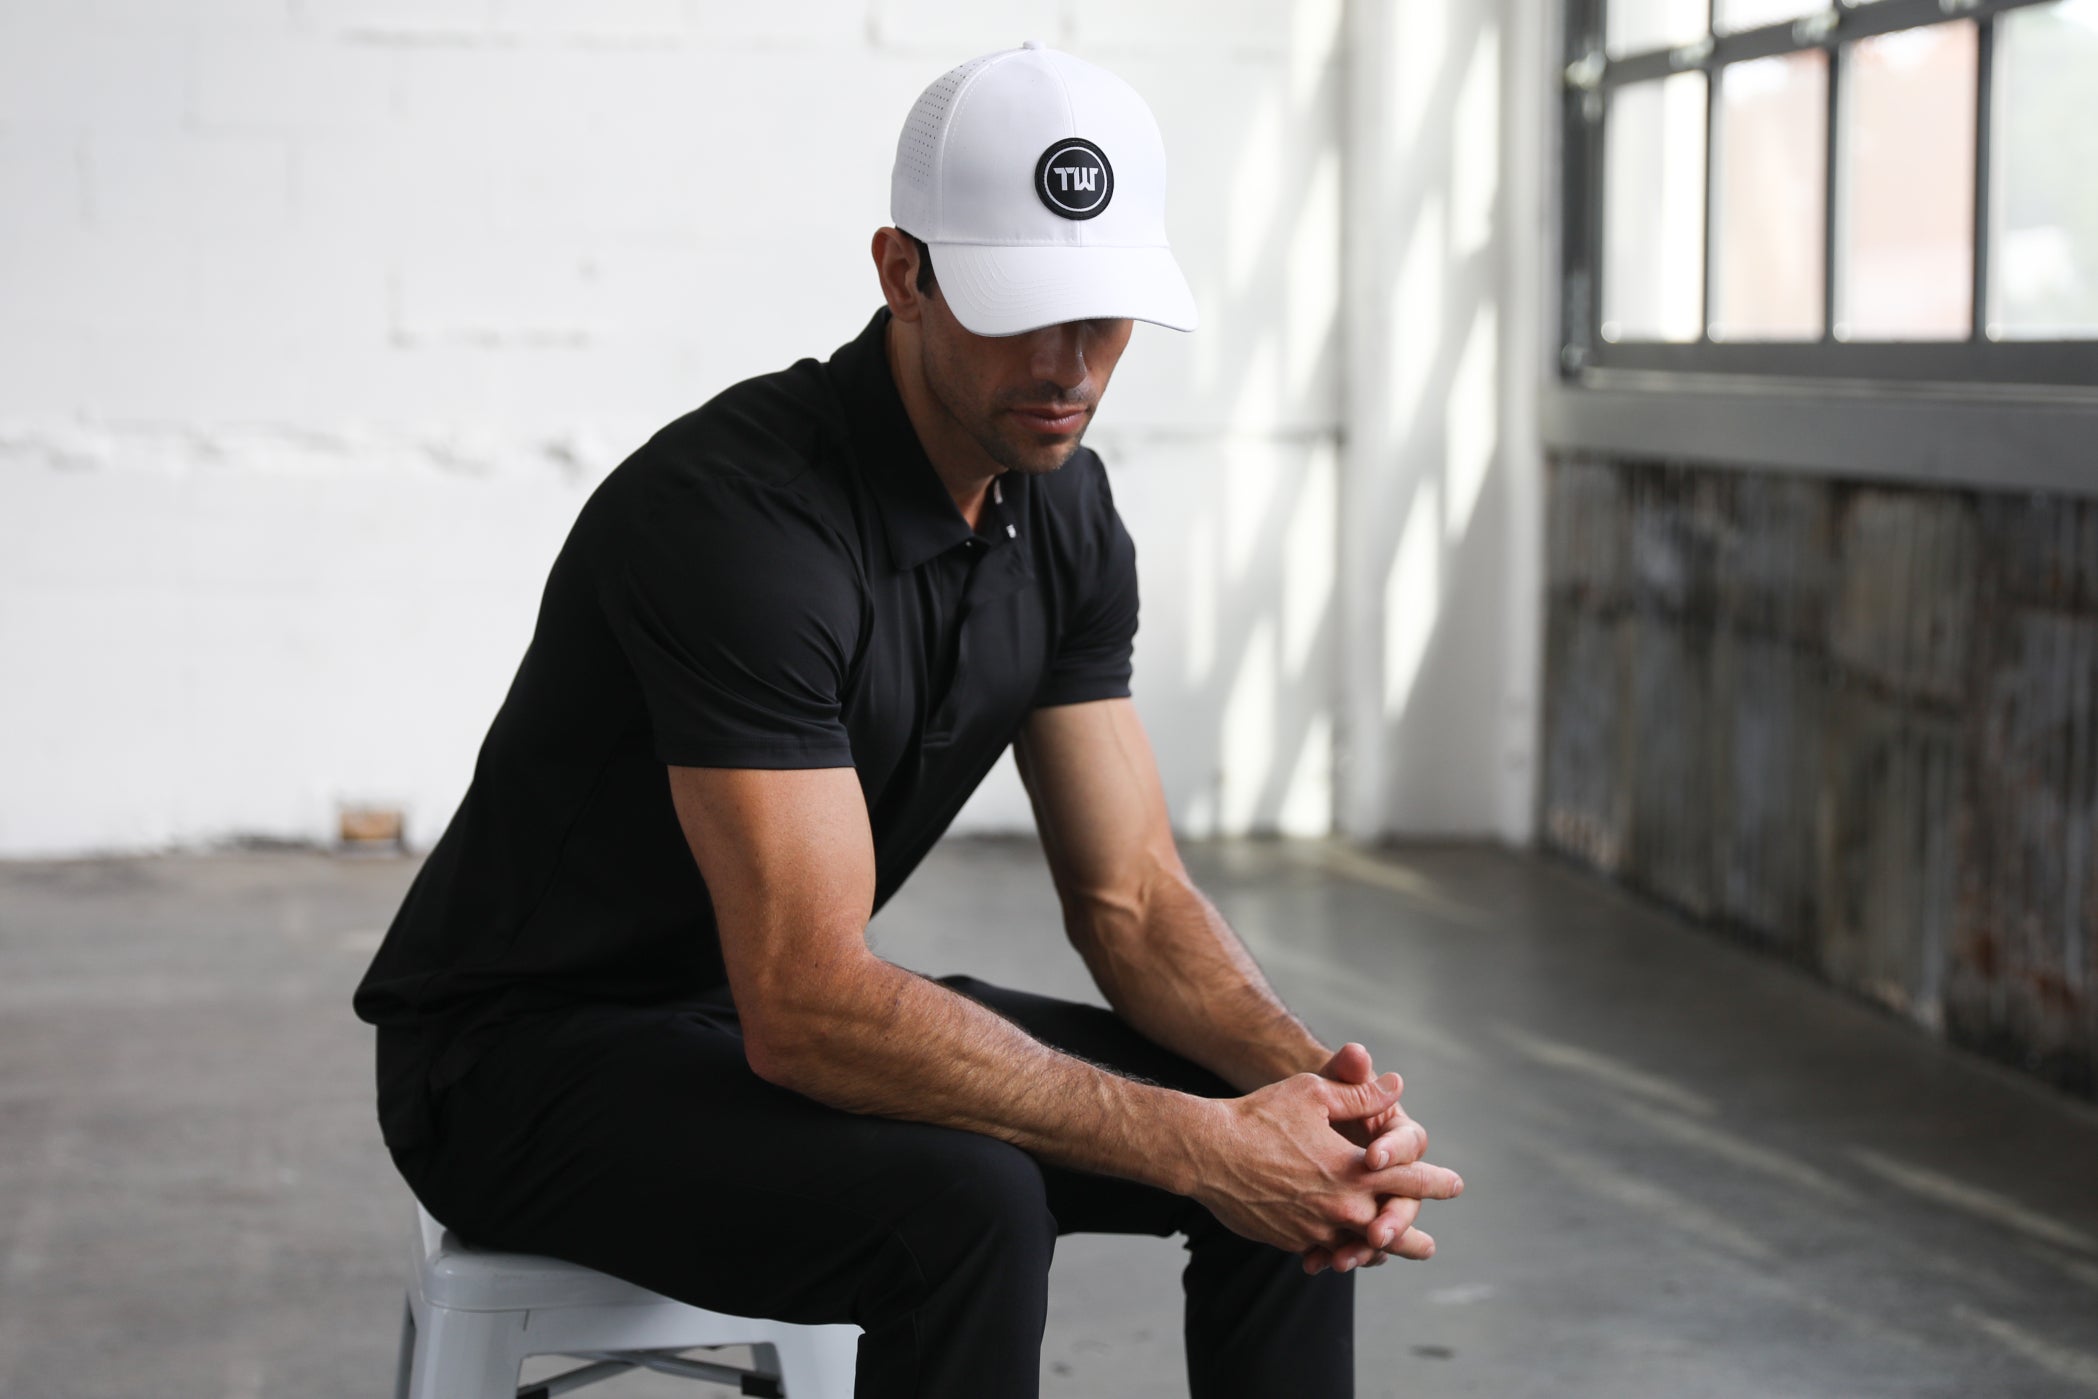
x: 1887, y: 190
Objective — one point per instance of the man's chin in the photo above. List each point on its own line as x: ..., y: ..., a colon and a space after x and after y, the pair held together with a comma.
x: 1038, y: 457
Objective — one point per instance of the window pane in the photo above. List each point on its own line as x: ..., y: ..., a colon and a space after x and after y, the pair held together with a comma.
x: 1773, y: 155
x: 1907, y: 249
x: 1635, y: 26
x: 1733, y: 16
x: 1654, y: 210
x: 2043, y: 240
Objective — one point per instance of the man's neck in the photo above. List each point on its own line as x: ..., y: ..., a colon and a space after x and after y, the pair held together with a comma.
x: 964, y: 468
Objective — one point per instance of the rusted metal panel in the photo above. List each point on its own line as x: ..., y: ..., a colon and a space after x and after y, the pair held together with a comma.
x: 1588, y: 807
x: 1676, y: 525
x: 1776, y: 558
x: 1857, y: 723
x: 1585, y: 548
x: 1770, y: 699
x: 1886, y: 829
x: 1587, y: 803
x: 1903, y: 598
x: 1671, y: 827
x: 2022, y: 977
x: 1770, y: 692
x: 1674, y: 532
x: 1901, y: 619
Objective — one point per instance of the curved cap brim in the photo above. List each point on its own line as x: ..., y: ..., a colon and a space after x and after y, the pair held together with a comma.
x: 998, y: 289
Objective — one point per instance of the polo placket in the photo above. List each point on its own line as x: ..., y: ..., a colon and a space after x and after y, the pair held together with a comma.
x: 998, y: 570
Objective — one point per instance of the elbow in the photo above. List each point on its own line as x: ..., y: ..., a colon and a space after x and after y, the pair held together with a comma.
x: 794, y: 1030
x: 773, y: 1058
x: 781, y: 1045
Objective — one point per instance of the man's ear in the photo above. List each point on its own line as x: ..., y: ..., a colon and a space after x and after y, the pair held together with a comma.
x: 896, y: 263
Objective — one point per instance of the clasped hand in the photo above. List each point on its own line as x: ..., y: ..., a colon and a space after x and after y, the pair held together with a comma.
x: 1387, y: 1138
x: 1328, y: 1165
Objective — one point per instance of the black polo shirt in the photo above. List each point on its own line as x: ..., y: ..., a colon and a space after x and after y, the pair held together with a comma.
x: 778, y: 579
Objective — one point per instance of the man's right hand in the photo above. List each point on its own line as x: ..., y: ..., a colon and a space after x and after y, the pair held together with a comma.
x: 1283, y: 1174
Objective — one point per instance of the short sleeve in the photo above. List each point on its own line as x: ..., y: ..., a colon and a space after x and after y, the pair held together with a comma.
x: 1093, y: 653
x: 739, y: 612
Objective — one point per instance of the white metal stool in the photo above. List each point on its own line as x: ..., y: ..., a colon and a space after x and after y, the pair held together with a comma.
x: 472, y: 1316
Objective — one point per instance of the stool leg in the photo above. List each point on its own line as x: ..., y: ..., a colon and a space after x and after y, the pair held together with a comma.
x: 404, y: 1360
x: 819, y: 1363
x: 467, y: 1355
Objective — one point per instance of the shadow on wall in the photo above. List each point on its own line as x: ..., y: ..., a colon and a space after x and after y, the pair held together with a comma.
x: 1341, y: 629
x: 316, y: 345
x: 1223, y: 447
x: 1434, y: 499
x: 1235, y: 661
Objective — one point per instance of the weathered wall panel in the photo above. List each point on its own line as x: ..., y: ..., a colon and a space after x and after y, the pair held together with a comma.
x: 1591, y: 813
x: 1855, y: 724
x: 2022, y: 975
x: 1770, y: 681
x: 1772, y: 695
x: 1886, y: 829
x: 1675, y: 538
x: 1587, y: 646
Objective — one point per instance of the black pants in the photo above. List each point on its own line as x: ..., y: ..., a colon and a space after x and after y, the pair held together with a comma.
x: 636, y: 1141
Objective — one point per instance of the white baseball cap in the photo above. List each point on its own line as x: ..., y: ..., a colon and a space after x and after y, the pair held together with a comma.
x: 1039, y: 182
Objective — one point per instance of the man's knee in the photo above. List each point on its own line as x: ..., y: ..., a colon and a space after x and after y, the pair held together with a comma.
x: 991, y: 1195
x: 975, y: 1237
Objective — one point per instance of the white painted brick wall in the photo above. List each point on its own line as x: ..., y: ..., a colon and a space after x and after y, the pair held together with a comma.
x: 319, y: 319
x: 278, y: 84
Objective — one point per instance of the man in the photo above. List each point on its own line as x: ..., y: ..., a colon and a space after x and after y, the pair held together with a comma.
x: 628, y: 1013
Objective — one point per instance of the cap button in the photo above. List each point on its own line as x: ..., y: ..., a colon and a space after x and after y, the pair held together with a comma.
x: 1030, y: 43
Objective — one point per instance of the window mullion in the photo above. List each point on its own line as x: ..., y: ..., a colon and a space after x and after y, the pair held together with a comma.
x: 1831, y: 192
x: 1711, y: 267
x: 1581, y: 228
x: 1984, y: 104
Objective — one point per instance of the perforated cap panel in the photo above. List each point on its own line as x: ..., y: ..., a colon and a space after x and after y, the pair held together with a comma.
x: 912, y: 186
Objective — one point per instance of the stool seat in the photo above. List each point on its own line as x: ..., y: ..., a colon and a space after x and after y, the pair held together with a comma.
x: 456, y: 1274
x: 471, y: 1316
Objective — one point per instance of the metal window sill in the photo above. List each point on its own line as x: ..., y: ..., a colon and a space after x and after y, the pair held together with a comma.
x: 1990, y: 437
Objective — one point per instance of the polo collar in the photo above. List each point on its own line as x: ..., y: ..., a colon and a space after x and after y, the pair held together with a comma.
x: 919, y: 517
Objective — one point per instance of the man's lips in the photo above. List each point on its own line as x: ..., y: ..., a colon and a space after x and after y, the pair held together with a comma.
x: 1053, y: 418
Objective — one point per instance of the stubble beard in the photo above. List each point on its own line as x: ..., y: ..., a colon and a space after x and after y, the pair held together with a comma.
x: 1013, y: 456
x: 990, y: 429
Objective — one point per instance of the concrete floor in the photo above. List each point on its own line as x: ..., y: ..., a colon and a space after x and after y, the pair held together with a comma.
x: 1690, y: 1171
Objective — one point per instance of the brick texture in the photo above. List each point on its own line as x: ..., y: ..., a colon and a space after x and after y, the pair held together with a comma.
x: 322, y: 315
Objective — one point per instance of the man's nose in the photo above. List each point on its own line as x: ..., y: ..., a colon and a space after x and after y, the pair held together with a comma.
x: 1059, y: 355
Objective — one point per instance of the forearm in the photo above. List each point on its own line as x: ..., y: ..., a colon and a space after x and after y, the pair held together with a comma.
x: 1171, y: 966
x: 879, y: 1040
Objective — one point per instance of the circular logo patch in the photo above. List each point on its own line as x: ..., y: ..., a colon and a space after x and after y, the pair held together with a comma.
x: 1073, y: 179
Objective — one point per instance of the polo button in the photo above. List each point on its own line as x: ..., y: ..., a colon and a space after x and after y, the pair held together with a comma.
x: 1011, y: 533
